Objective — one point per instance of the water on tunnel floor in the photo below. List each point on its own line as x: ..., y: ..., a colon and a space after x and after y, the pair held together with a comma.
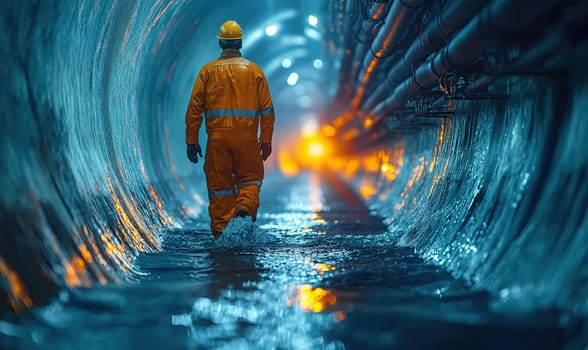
x: 318, y: 272
x: 105, y: 239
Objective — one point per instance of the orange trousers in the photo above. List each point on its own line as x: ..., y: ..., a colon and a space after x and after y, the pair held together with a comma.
x: 234, y: 173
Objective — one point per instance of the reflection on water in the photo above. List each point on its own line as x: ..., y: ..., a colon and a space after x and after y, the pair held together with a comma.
x: 18, y: 297
x: 312, y: 299
x: 297, y: 290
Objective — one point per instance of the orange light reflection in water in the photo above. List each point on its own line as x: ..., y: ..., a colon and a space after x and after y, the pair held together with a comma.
x: 131, y: 222
x: 19, y: 296
x: 312, y: 299
x: 97, y: 253
x: 316, y: 197
x: 417, y: 173
x: 158, y: 210
x: 75, y: 273
x: 320, y: 268
x: 445, y: 126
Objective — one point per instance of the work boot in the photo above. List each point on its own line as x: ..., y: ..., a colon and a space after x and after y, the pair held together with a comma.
x: 242, y: 213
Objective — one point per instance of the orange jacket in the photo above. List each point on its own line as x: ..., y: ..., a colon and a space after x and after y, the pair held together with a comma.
x: 231, y: 92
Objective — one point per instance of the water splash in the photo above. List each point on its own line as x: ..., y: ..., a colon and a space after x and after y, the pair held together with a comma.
x: 242, y: 232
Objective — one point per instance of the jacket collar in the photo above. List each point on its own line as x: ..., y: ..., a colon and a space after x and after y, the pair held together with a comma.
x: 230, y: 53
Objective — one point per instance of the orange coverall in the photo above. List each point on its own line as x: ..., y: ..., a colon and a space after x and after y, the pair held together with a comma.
x: 233, y: 95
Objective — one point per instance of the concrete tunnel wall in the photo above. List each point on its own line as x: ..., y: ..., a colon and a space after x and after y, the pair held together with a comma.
x: 94, y: 170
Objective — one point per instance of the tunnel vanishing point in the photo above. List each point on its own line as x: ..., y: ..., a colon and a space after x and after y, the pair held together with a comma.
x: 462, y: 124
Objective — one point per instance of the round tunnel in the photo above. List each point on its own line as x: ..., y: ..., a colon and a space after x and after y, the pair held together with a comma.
x: 458, y: 125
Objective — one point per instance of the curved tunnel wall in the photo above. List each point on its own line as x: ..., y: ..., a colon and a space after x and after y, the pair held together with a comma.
x: 94, y: 171
x: 496, y: 194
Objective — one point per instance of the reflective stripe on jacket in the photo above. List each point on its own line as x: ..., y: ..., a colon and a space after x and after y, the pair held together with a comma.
x: 230, y: 92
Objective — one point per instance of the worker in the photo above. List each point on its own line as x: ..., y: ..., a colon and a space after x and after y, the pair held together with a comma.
x: 233, y: 95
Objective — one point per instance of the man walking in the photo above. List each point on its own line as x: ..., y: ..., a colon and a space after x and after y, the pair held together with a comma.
x: 233, y: 95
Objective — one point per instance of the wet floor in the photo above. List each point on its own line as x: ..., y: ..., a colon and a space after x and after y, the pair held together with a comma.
x: 318, y: 272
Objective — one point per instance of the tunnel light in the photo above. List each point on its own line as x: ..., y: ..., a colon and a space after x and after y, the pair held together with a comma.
x: 309, y: 128
x: 293, y: 79
x: 318, y: 64
x: 316, y: 149
x: 286, y: 63
x: 271, y: 30
x: 312, y: 33
x: 312, y: 20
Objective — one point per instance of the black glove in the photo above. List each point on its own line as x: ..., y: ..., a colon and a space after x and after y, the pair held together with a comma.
x: 266, y: 150
x: 193, y: 152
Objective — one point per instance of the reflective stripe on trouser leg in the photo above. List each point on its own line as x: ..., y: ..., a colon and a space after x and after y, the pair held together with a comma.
x: 218, y: 169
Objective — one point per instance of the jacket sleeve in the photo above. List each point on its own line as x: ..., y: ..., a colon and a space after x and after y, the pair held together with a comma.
x: 195, y: 108
x: 266, y: 107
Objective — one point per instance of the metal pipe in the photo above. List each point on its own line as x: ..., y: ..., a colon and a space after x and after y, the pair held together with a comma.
x: 435, y: 35
x: 396, y: 23
x: 375, y: 15
x: 497, y: 19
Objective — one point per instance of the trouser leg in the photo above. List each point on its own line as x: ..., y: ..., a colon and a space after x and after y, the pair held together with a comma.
x: 220, y: 182
x: 248, y: 172
x: 248, y: 199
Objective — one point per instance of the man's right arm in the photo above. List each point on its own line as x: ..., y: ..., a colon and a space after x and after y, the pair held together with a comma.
x: 195, y: 109
x: 267, y: 114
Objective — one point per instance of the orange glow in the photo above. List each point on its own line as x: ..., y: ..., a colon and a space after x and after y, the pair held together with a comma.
x: 287, y: 164
x: 388, y: 169
x: 340, y: 316
x: 316, y: 149
x: 98, y: 255
x: 75, y: 273
x: 125, y: 223
x: 417, y: 173
x: 312, y: 299
x: 115, y: 250
x: 350, y: 134
x: 343, y: 119
x: 338, y: 163
x: 329, y: 130
x: 311, y: 151
x: 367, y: 191
x: 316, y: 217
x: 320, y: 268
x: 352, y: 168
x: 19, y: 296
x: 436, y: 155
x: 368, y: 122
x: 371, y: 164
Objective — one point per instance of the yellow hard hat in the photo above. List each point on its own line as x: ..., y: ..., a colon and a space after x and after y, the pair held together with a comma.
x: 230, y: 30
